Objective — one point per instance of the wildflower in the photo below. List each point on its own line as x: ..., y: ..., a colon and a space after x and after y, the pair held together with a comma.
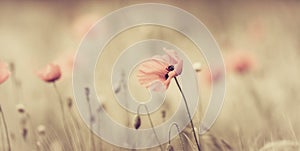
x: 4, y: 72
x: 156, y: 73
x: 137, y: 122
x: 241, y: 62
x: 50, y: 74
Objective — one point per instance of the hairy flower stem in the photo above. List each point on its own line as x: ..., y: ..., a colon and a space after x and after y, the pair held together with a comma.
x: 151, y: 123
x: 5, y: 128
x: 189, y: 114
x: 177, y: 128
x: 63, y: 116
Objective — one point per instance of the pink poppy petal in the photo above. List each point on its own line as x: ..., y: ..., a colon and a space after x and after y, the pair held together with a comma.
x: 4, y: 72
x: 151, y: 70
x: 50, y: 74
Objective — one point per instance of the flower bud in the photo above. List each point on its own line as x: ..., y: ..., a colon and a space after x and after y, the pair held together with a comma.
x: 137, y: 122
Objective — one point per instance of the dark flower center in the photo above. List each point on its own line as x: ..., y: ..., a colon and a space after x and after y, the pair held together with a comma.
x: 169, y: 68
x: 166, y: 76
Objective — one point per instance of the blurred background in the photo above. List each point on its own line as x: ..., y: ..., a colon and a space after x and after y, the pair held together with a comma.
x: 260, y: 46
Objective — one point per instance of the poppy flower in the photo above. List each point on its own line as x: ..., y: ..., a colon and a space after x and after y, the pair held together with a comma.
x: 4, y: 72
x: 241, y: 62
x: 51, y: 73
x: 157, y: 72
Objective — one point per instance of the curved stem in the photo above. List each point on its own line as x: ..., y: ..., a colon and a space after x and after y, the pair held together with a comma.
x: 63, y: 116
x: 150, y: 120
x: 6, y: 130
x: 188, y: 111
x: 189, y: 141
x: 177, y: 127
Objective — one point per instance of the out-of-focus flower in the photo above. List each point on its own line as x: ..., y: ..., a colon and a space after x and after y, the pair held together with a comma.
x: 51, y: 73
x: 241, y: 62
x: 4, y: 72
x: 156, y: 73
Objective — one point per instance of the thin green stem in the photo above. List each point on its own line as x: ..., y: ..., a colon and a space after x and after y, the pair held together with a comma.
x: 189, y: 114
x: 5, y: 128
x: 151, y: 123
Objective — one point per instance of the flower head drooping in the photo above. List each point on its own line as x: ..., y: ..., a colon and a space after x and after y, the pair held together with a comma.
x: 137, y: 121
x: 156, y: 73
x: 4, y: 72
x: 50, y: 74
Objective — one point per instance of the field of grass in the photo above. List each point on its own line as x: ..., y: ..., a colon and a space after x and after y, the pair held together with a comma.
x: 259, y: 43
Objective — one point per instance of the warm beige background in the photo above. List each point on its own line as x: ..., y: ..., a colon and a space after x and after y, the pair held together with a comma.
x: 260, y: 107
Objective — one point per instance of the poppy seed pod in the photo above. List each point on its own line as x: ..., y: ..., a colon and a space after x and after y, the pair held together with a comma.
x: 137, y: 121
x: 197, y: 66
x: 20, y: 108
x: 170, y: 148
